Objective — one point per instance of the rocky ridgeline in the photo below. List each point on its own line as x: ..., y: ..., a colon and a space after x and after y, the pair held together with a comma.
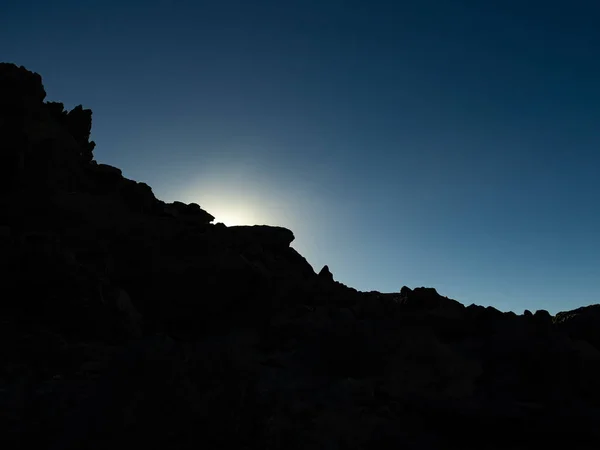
x: 128, y: 321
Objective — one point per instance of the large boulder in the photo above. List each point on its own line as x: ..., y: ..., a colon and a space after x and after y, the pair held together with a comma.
x: 420, y: 298
x: 190, y: 213
x: 273, y: 238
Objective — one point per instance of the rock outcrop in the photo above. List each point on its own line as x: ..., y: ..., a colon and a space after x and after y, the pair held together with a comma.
x: 128, y: 321
x: 325, y: 274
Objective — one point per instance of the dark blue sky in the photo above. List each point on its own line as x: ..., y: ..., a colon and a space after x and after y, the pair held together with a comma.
x: 453, y: 144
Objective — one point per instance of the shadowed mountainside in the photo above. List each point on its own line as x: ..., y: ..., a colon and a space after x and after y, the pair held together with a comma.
x: 128, y: 321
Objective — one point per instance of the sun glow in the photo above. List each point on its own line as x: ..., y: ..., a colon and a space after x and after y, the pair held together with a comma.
x: 242, y: 197
x: 229, y: 206
x: 232, y: 215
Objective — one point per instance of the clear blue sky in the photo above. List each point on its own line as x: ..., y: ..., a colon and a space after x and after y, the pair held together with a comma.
x: 444, y: 143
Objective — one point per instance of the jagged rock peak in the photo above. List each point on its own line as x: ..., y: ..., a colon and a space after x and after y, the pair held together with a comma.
x: 325, y: 274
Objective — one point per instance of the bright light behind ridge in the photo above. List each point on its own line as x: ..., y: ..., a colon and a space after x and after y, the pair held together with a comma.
x: 233, y: 215
x: 236, y: 195
x: 231, y: 205
x: 241, y: 194
x: 240, y: 197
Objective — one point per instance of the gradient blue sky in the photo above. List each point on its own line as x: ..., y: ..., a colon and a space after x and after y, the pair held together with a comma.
x: 443, y: 143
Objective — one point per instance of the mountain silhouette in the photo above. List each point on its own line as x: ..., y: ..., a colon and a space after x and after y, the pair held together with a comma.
x: 129, y: 321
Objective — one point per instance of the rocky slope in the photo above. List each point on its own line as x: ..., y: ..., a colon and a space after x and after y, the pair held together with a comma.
x: 128, y: 321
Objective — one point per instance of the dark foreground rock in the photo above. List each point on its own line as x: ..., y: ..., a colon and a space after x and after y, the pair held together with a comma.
x: 128, y: 321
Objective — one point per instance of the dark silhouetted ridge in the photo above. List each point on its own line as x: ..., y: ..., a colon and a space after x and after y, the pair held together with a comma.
x: 129, y: 322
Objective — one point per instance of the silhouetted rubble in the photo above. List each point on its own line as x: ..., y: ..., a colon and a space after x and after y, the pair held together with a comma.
x: 131, y: 322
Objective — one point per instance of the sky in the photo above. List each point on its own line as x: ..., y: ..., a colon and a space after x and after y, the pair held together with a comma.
x: 452, y: 144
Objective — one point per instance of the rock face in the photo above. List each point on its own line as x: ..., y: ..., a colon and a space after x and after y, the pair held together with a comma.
x: 130, y: 321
